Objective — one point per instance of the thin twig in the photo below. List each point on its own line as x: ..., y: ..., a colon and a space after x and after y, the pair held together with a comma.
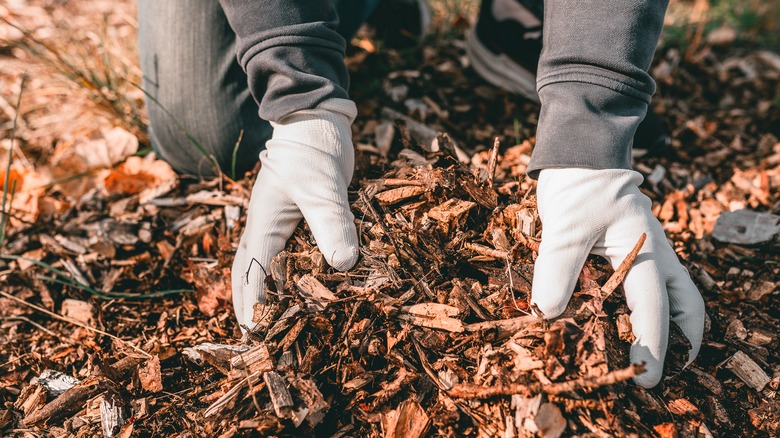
x: 492, y: 161
x: 74, y: 322
x: 620, y: 273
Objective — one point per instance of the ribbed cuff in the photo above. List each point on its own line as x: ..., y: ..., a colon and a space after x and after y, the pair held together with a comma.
x: 588, y: 123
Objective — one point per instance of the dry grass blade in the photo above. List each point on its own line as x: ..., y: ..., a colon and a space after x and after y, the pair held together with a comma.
x: 5, y: 214
x: 74, y: 322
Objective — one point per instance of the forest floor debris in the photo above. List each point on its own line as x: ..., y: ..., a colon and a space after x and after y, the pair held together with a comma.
x: 431, y: 333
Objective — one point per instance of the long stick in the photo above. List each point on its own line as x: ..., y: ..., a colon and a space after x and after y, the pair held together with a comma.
x: 587, y: 384
x: 73, y: 399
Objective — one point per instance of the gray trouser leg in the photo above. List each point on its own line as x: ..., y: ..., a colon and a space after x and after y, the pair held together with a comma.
x: 199, y: 96
x: 197, y: 90
x: 593, y: 81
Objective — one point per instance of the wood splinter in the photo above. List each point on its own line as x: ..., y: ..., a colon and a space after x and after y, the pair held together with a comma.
x: 620, y: 273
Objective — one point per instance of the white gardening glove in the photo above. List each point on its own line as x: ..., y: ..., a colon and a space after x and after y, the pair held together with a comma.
x: 306, y: 168
x: 603, y: 212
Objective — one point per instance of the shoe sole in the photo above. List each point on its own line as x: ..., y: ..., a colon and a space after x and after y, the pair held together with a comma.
x: 500, y: 70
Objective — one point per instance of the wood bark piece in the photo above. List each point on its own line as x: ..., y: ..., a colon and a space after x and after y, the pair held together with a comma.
x: 450, y: 210
x: 408, y: 421
x: 73, y: 399
x: 433, y: 315
x: 766, y: 417
x: 748, y: 371
x: 746, y: 227
x: 394, y: 196
x: 316, y: 405
x: 231, y: 394
x: 216, y: 355
x: 256, y: 359
x: 150, y: 375
x: 112, y: 415
x: 316, y: 294
x: 525, y: 410
x: 492, y: 161
x: 280, y: 395
x: 78, y: 310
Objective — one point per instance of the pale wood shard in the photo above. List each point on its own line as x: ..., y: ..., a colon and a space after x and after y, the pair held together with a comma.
x: 232, y: 394
x: 431, y: 310
x: 31, y: 398
x: 492, y: 161
x: 433, y: 315
x: 112, y: 415
x: 450, y: 210
x: 507, y: 325
x: 280, y: 395
x: 748, y: 371
x: 315, y: 293
x: 408, y: 421
x: 217, y: 355
x: 527, y: 222
x: 256, y: 359
x: 525, y: 410
x: 761, y: 289
x: 486, y: 251
x: 746, y: 227
x: 292, y: 335
x: 394, y: 196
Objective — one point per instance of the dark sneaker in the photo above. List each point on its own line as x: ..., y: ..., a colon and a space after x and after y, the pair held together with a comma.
x: 505, y: 45
x: 400, y: 24
x: 504, y: 49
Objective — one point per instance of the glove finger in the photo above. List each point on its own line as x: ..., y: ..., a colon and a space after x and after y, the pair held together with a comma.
x: 647, y: 299
x: 556, y: 271
x: 687, y: 309
x: 271, y: 220
x: 326, y: 210
x: 237, y: 281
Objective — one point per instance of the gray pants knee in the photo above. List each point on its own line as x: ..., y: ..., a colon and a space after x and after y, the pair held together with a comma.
x: 198, y: 96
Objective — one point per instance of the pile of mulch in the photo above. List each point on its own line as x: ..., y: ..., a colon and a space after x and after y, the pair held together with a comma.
x: 116, y: 317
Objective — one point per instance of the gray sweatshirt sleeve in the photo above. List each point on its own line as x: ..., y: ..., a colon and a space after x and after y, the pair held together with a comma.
x: 291, y: 52
x: 593, y: 82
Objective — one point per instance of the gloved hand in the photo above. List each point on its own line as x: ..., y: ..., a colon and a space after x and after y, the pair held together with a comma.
x: 603, y: 212
x: 306, y: 168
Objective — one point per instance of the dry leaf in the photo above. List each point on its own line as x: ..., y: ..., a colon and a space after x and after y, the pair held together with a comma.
x: 141, y: 175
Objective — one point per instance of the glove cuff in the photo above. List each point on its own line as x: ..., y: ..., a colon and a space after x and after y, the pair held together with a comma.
x: 326, y: 128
